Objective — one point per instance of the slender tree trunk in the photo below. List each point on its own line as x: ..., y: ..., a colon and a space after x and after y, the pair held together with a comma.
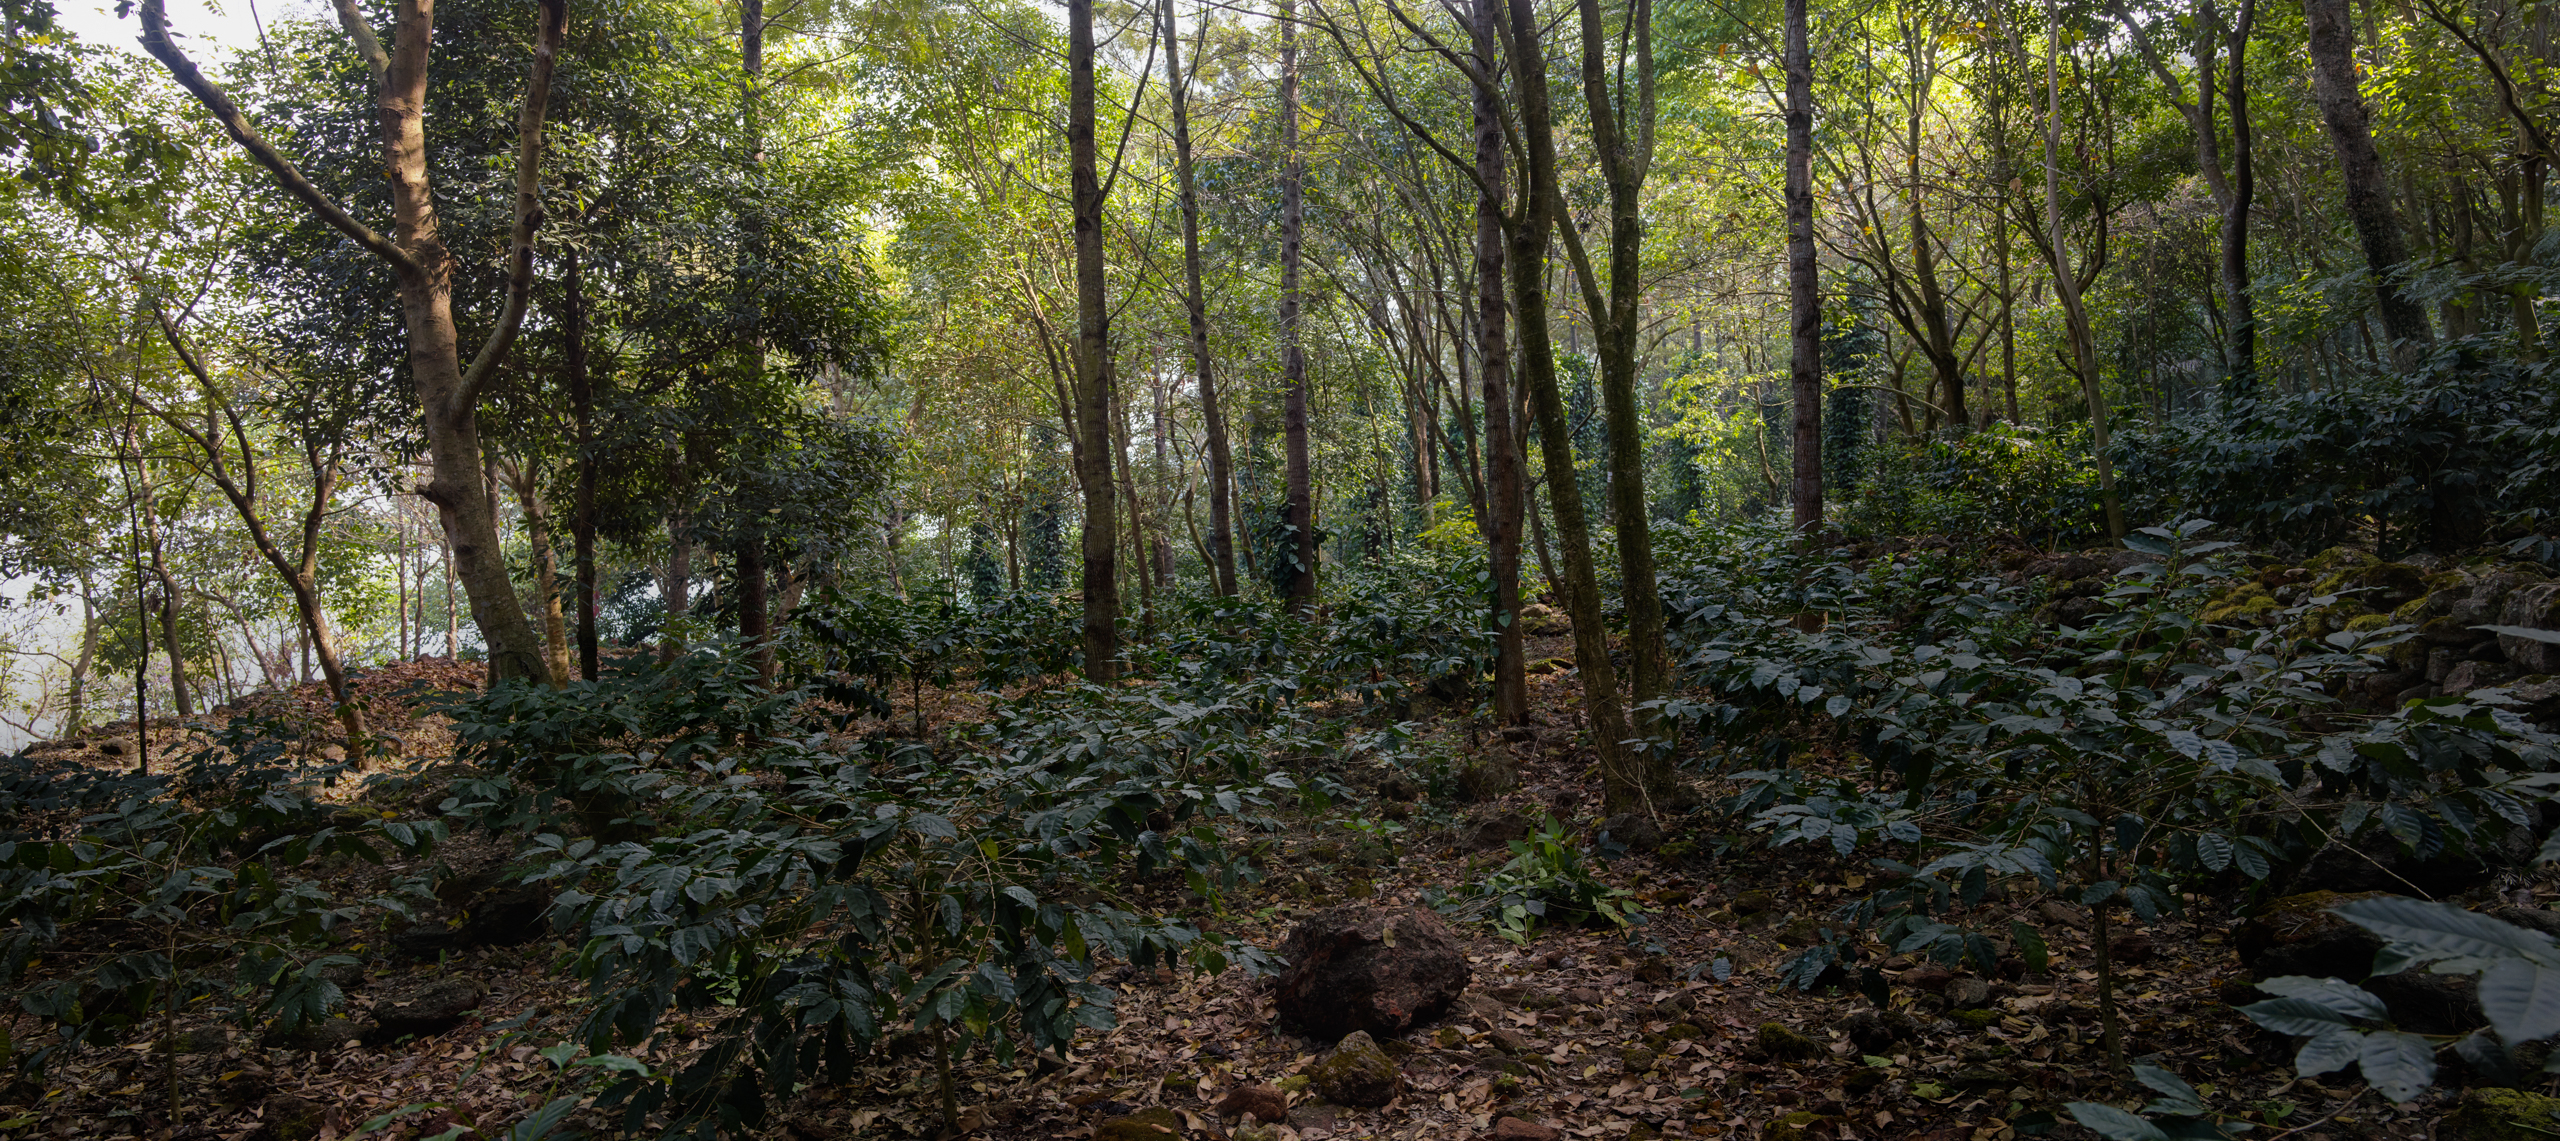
x: 2066, y: 287
x: 1804, y: 287
x: 2241, y: 319
x: 1093, y: 363
x: 1300, y: 508
x: 180, y: 699
x: 1501, y: 524
x: 754, y: 617
x: 2368, y: 190
x: 76, y: 711
x: 1195, y: 307
x: 582, y: 404
x: 676, y: 590
x: 1622, y: 784
x: 1625, y: 151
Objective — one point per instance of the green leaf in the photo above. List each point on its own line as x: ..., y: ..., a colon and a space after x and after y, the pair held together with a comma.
x: 2031, y: 947
x: 2526, y: 632
x: 2180, y: 1098
x: 2213, y: 850
x: 2328, y: 1051
x: 2343, y: 998
x: 2294, y: 1016
x: 2522, y: 999
x: 2114, y: 1124
x: 2399, y: 1065
x: 2444, y: 930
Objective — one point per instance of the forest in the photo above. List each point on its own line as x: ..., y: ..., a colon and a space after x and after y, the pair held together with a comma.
x: 1778, y: 570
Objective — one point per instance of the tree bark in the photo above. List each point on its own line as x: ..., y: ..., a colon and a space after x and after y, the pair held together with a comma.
x: 1502, y: 522
x: 2367, y: 189
x: 582, y: 412
x: 1300, y: 506
x: 1623, y: 787
x: 448, y: 392
x: 2066, y: 286
x: 1093, y: 364
x: 1195, y: 307
x: 1804, y: 287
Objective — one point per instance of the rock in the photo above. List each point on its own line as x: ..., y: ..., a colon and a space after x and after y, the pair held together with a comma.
x: 1154, y: 1124
x: 2540, y: 919
x: 1514, y: 1129
x: 1510, y: 1041
x: 2499, y: 1115
x: 325, y: 1036
x: 1636, y: 830
x: 1864, y: 1081
x: 2297, y: 935
x: 1876, y: 1031
x: 2540, y: 698
x: 2468, y: 676
x: 1584, y: 996
x: 2426, y: 1003
x: 2068, y: 915
x: 1543, y: 621
x: 1487, y: 776
x: 1357, y: 968
x: 1266, y: 1103
x: 2537, y: 607
x: 1968, y: 994
x: 2130, y: 948
x: 1498, y: 832
x: 291, y: 1118
x: 432, y: 1009
x: 1754, y: 902
x: 1928, y: 977
x: 1980, y: 1078
x: 113, y: 748
x: 2351, y: 869
x: 1786, y: 1045
x: 1399, y: 787
x: 1636, y: 1059
x: 1654, y: 969
x: 1357, y: 1072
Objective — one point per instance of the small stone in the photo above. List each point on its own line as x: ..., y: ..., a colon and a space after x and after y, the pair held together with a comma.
x: 1876, y: 1031
x: 1153, y: 1124
x: 2068, y: 915
x: 2130, y: 948
x: 1654, y: 969
x: 1514, y: 1129
x: 1583, y: 996
x: 291, y: 1118
x: 1968, y: 994
x: 1357, y: 1073
x: 1266, y: 1103
x: 1510, y: 1041
x: 1636, y: 830
x: 1786, y: 1045
x: 432, y: 1009
x: 1636, y: 1059
x: 1863, y: 1082
x: 1754, y: 902
x: 1486, y: 777
x: 1928, y: 977
x: 321, y: 1037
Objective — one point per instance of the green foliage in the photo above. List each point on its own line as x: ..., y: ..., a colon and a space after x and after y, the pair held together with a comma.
x: 1548, y: 881
x: 2035, y: 484
x: 2178, y: 1114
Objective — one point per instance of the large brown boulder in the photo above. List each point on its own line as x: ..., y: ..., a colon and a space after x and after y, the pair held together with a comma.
x: 1359, y: 968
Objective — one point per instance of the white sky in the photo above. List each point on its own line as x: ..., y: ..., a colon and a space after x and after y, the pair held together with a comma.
x: 229, y: 23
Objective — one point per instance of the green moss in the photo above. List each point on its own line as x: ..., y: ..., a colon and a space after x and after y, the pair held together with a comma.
x: 1978, y: 1019
x: 2243, y: 604
x: 1154, y: 1124
x: 1294, y: 1083
x: 2362, y: 622
x: 2500, y: 1115
x: 1785, y: 1044
x: 1797, y: 1126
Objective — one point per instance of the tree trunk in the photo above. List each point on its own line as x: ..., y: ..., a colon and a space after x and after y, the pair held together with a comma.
x: 754, y: 618
x: 1804, y: 287
x: 1502, y: 523
x: 2368, y: 191
x: 675, y: 591
x: 1622, y: 785
x: 1195, y: 306
x: 1625, y: 151
x: 1093, y: 363
x: 2241, y: 312
x: 1300, y: 507
x: 422, y: 268
x: 582, y: 402
x: 2066, y: 287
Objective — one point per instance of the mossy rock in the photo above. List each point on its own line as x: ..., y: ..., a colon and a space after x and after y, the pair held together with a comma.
x: 1636, y: 1059
x: 1357, y: 1073
x: 1182, y: 1084
x: 1797, y: 1126
x: 1785, y: 1044
x: 1294, y: 1083
x: 2364, y: 622
x: 1153, y: 1124
x: 2501, y: 1115
x: 2244, y: 604
x: 1978, y: 1019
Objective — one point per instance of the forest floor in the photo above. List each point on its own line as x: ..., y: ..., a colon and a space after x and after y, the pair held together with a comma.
x: 1590, y: 1033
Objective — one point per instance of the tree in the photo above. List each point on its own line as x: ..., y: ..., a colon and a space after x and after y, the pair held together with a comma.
x: 1804, y: 285
x: 2368, y: 191
x: 1298, y: 508
x: 448, y: 391
x: 1221, y: 473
